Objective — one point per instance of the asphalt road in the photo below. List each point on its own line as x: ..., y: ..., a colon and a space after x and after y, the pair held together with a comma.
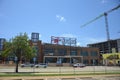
x: 61, y: 70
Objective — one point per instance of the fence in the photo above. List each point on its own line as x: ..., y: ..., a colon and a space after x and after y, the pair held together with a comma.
x: 64, y: 70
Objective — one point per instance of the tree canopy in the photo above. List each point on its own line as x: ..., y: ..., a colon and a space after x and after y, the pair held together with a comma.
x: 19, y: 47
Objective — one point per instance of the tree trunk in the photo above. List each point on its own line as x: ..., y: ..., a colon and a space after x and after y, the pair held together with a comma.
x: 17, y: 61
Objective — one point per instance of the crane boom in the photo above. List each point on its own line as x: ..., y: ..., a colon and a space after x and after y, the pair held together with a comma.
x: 101, y: 15
x: 115, y: 8
x: 92, y: 20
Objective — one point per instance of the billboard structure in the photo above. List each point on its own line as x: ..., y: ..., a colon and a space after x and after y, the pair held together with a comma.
x: 63, y: 41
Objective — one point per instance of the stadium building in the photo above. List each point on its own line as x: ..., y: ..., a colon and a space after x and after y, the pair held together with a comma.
x: 63, y: 51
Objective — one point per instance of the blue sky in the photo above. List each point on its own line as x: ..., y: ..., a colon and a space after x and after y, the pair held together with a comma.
x: 59, y: 18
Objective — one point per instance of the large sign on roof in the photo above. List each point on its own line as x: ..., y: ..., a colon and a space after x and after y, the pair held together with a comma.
x: 63, y: 41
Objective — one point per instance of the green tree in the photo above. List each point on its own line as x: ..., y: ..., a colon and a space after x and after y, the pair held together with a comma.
x: 19, y: 47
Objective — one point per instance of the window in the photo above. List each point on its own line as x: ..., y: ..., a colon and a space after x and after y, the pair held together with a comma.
x: 85, y: 62
x: 49, y: 51
x: 50, y: 60
x: 62, y: 52
x: 34, y: 40
x: 94, y: 61
x: 93, y: 53
x: 84, y: 53
x: 73, y: 53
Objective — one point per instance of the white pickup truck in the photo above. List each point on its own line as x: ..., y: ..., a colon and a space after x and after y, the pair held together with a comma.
x: 79, y: 65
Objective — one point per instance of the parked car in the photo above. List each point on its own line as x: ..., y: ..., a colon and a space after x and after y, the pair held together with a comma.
x: 27, y: 65
x: 43, y: 65
x: 79, y: 65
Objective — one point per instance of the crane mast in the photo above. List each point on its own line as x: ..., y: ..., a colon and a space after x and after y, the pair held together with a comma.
x: 107, y: 32
x: 107, y: 29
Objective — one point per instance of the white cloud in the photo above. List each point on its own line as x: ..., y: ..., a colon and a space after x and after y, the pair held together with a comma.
x: 60, y: 18
x: 78, y: 43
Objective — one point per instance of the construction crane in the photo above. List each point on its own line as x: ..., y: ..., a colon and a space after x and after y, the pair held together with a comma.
x: 106, y: 23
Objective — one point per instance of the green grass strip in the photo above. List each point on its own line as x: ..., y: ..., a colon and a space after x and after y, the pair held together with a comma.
x: 62, y: 74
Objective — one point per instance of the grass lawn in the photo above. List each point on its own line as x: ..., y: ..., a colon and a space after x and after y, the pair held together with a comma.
x: 52, y: 74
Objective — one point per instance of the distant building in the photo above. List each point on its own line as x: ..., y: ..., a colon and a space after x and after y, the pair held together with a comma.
x: 103, y: 46
x: 2, y: 40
